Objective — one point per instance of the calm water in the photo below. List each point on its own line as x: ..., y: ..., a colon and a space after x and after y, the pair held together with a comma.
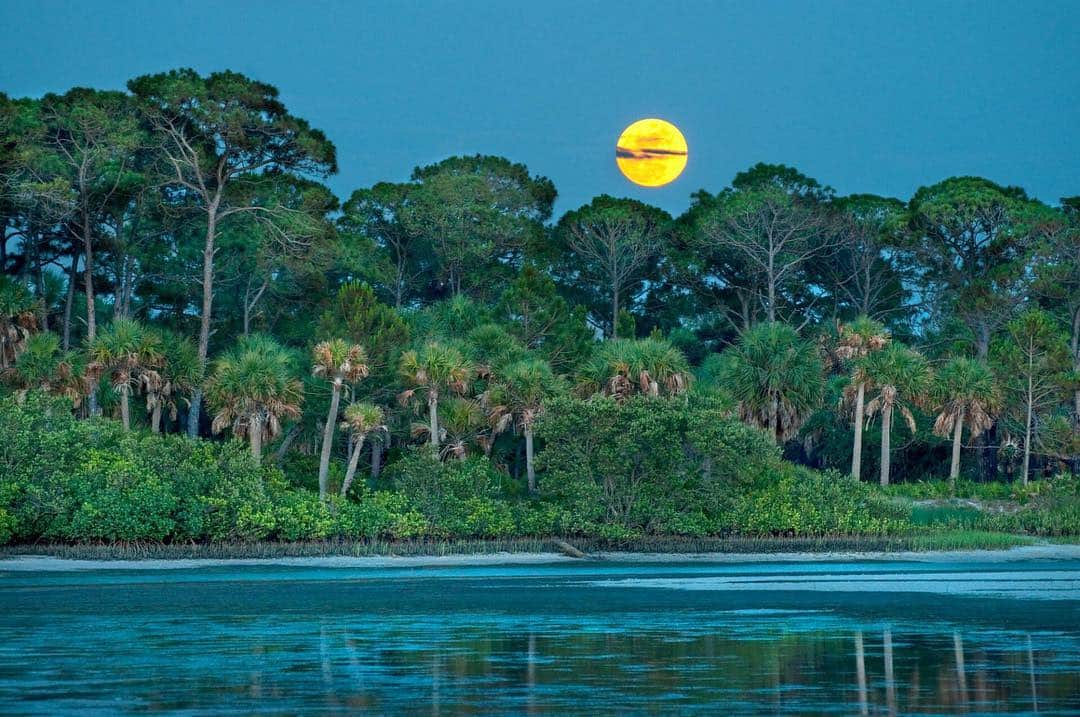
x: 815, y: 637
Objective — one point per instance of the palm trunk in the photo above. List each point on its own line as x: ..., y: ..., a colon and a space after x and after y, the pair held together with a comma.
x: 530, y: 472
x: 376, y: 458
x: 204, y: 318
x: 285, y: 443
x: 886, y: 429
x: 255, y: 440
x: 774, y: 420
x: 433, y: 418
x: 155, y: 416
x: 125, y: 408
x: 328, y: 437
x: 856, y: 450
x: 954, y: 469
x: 350, y: 472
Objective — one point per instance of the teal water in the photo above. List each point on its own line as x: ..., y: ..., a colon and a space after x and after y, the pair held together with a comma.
x: 564, y: 638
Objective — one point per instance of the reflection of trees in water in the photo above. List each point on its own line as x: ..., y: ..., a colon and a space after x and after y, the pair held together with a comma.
x: 873, y: 669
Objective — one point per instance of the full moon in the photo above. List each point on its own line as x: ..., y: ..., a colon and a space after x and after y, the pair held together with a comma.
x: 651, y: 152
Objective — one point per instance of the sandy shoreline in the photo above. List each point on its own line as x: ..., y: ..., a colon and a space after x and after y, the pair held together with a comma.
x: 46, y: 563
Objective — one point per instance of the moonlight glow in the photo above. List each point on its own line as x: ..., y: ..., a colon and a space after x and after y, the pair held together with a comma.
x: 651, y: 152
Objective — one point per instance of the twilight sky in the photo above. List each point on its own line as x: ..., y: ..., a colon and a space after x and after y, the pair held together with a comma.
x: 875, y: 97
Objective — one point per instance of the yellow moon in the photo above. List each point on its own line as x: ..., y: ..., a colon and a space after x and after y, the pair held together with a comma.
x: 651, y: 152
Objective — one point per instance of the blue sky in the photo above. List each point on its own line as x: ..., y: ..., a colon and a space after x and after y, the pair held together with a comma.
x: 868, y: 96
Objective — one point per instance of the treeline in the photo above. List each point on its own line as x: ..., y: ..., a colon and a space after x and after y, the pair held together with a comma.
x: 170, y: 258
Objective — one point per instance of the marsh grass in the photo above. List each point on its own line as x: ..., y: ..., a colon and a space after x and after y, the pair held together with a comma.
x: 943, y: 540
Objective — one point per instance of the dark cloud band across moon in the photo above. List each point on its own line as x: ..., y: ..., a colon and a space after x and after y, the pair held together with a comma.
x: 624, y: 153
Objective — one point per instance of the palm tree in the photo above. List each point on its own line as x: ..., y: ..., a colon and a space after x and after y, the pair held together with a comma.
x: 965, y: 393
x: 252, y: 388
x: 898, y: 377
x: 360, y: 419
x: 42, y: 366
x: 177, y: 377
x: 435, y: 368
x: 18, y: 320
x: 131, y: 354
x: 461, y: 423
x: 343, y: 365
x: 517, y: 398
x: 858, y: 339
x: 776, y: 377
x: 624, y: 367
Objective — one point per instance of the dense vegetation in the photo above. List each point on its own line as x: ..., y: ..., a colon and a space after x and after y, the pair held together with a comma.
x: 444, y: 358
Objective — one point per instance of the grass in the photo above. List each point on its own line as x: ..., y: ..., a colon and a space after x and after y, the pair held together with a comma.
x: 939, y: 540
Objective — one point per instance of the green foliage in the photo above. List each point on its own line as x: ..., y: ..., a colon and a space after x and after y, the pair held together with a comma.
x: 776, y: 378
x: 624, y: 367
x: 799, y: 502
x: 458, y: 498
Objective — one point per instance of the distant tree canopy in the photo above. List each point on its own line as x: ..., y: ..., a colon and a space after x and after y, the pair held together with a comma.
x: 177, y: 239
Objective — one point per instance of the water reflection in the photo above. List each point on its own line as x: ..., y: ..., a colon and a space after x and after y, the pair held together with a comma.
x: 426, y: 646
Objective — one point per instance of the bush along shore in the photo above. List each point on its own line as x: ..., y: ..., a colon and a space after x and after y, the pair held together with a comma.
x: 646, y: 474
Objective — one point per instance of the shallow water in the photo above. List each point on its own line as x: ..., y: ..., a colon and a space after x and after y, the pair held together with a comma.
x: 585, y: 637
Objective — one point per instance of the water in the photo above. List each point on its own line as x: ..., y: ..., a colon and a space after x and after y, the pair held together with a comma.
x: 561, y: 638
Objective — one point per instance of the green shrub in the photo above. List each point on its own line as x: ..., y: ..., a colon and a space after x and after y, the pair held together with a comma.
x: 458, y: 498
x: 800, y: 502
x: 1055, y: 508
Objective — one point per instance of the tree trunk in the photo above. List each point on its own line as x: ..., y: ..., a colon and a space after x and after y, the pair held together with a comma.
x: 255, y: 440
x: 350, y: 472
x: 771, y: 313
x: 433, y: 418
x: 285, y: 443
x: 125, y: 408
x: 1027, y: 435
x: 204, y: 318
x: 376, y: 458
x: 856, y: 451
x: 155, y: 416
x: 886, y: 429
x: 954, y: 468
x: 1076, y: 363
x: 91, y: 309
x: 69, y: 301
x: 774, y: 420
x: 88, y: 279
x: 530, y: 472
x: 328, y: 438
x: 615, y: 312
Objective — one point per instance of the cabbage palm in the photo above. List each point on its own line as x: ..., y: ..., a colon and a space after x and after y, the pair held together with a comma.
x: 964, y: 392
x: 461, y: 423
x: 517, y: 398
x: 131, y: 354
x: 18, y: 320
x: 858, y: 339
x: 623, y: 367
x: 776, y: 377
x: 434, y: 369
x: 898, y: 378
x: 252, y: 388
x: 342, y: 364
x: 359, y: 420
x: 177, y: 377
x: 42, y: 366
